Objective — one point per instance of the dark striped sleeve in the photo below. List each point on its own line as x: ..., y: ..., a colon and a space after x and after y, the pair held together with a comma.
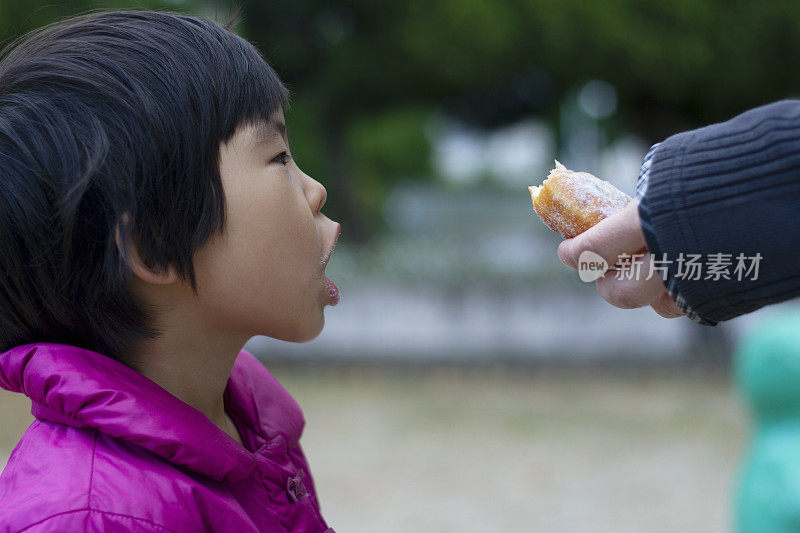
x: 729, y: 194
x: 644, y: 173
x: 647, y: 229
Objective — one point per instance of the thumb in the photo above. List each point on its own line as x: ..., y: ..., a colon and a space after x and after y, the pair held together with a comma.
x: 620, y: 233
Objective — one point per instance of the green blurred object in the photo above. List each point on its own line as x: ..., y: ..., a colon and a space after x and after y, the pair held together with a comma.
x: 767, y: 366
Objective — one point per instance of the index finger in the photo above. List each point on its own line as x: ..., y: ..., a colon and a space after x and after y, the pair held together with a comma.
x: 620, y: 233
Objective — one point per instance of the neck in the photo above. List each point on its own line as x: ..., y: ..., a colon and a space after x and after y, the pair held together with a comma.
x: 196, y: 372
x: 193, y: 356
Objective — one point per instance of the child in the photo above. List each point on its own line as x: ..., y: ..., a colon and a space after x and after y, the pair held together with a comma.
x: 138, y: 150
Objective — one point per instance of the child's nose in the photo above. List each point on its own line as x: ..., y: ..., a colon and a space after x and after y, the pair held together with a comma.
x: 317, y: 195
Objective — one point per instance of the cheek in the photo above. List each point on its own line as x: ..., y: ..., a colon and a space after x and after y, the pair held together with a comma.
x: 264, y: 275
x: 282, y: 246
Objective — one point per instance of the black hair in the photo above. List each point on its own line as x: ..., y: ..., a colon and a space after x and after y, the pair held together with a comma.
x: 114, y: 119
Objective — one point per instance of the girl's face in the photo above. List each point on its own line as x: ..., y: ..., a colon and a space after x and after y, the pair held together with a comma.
x: 266, y: 274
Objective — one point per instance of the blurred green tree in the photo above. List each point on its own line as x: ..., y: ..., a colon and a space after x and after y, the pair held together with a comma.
x: 366, y: 75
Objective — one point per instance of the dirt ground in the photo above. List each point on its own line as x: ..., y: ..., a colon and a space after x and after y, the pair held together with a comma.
x: 454, y: 450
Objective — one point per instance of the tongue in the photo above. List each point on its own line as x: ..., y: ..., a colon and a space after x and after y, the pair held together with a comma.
x: 333, y: 291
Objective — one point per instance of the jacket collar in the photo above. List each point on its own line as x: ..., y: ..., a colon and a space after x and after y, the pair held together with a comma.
x: 85, y: 389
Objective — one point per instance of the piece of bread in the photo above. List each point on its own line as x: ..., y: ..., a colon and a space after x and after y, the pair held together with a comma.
x: 571, y: 202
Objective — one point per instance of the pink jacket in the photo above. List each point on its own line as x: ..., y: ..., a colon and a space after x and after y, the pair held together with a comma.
x: 110, y: 450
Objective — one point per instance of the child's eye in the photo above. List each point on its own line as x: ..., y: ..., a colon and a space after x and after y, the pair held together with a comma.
x: 282, y: 158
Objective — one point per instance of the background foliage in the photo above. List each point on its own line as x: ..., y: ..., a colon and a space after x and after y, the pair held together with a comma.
x: 366, y: 76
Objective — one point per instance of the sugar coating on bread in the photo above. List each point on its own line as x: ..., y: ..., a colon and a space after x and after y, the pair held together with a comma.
x: 571, y: 202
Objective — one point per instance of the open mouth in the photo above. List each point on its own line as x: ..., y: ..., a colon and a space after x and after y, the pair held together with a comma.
x: 335, y: 241
x: 333, y: 293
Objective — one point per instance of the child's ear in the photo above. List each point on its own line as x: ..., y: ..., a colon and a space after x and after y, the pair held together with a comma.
x: 138, y: 267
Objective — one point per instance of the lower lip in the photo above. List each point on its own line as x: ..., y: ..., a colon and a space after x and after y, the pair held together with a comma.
x: 333, y: 291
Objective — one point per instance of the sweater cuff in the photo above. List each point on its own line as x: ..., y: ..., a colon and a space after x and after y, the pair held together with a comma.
x: 659, y: 211
x: 669, y: 274
x: 652, y: 242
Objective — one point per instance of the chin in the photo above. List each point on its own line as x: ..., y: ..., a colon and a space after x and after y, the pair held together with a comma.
x: 305, y: 332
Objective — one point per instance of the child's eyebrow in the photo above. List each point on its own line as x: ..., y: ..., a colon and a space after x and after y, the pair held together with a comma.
x: 267, y: 132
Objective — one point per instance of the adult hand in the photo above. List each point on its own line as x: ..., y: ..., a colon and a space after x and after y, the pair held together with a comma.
x: 619, y: 234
